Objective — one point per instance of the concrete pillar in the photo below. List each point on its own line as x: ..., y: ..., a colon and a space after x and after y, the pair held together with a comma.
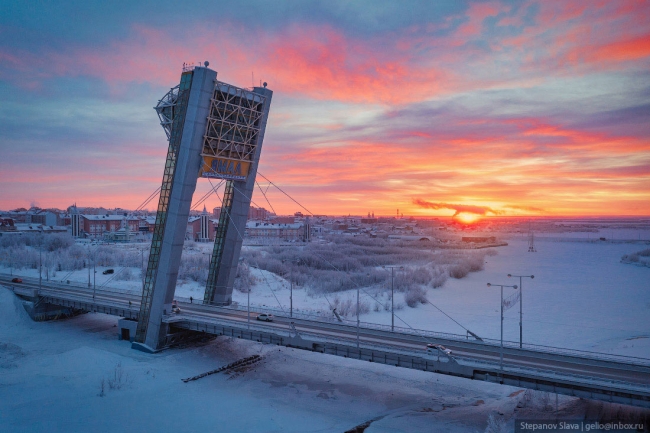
x: 188, y: 162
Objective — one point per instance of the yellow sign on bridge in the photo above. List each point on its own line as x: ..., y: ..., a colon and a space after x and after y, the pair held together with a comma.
x: 224, y: 168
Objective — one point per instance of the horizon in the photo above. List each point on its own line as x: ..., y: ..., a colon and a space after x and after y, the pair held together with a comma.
x: 489, y: 109
x: 387, y: 216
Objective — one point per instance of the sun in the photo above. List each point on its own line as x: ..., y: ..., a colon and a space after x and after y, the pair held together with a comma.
x: 467, y: 218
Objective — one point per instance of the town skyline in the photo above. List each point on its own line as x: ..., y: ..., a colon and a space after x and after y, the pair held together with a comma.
x: 533, y: 109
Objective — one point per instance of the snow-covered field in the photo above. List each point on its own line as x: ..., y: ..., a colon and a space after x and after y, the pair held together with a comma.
x: 582, y: 297
x: 75, y: 376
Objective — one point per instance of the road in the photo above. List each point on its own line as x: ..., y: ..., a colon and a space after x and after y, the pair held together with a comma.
x: 629, y: 372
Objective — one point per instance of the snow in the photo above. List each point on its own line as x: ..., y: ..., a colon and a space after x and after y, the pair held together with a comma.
x: 582, y: 297
x: 53, y: 383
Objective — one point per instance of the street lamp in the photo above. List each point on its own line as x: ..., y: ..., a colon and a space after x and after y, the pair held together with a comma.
x: 291, y: 263
x: 142, y: 270
x: 521, y: 290
x: 358, y: 321
x: 502, y: 286
x: 392, y: 295
x: 40, y: 264
x: 94, y: 274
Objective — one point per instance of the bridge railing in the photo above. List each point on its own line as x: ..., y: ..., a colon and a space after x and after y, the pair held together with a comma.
x: 491, y: 365
x: 429, y: 336
x: 426, y: 335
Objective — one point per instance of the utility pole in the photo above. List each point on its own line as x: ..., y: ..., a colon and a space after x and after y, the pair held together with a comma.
x: 94, y: 276
x: 291, y: 292
x: 392, y: 295
x: 358, y: 322
x: 521, y: 294
x: 392, y: 299
x: 40, y: 265
x: 501, y: 352
x: 249, y: 307
x: 142, y: 266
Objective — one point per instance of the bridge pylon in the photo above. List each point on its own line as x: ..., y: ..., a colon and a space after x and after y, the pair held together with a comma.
x: 215, y: 130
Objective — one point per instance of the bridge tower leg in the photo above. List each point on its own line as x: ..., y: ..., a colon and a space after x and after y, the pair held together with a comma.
x: 188, y: 117
x: 234, y: 214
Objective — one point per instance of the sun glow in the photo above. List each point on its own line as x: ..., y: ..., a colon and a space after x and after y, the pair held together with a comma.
x: 467, y: 218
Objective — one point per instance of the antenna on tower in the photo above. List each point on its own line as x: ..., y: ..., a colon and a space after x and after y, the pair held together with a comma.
x: 531, y: 239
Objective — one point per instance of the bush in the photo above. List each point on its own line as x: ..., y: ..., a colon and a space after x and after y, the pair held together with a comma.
x: 496, y: 425
x: 414, y: 296
x: 245, y: 279
x: 438, y: 278
x: 459, y: 271
x: 348, y: 307
x: 345, y: 263
x: 194, y: 267
x: 124, y: 275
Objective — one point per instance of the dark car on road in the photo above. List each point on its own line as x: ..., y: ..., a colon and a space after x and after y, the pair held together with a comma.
x: 108, y: 271
x: 432, y: 349
x: 16, y: 280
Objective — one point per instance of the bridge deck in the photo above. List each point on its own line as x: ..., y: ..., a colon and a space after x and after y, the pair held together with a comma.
x: 624, y: 380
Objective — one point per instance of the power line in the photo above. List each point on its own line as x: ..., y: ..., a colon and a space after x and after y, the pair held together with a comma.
x: 264, y: 194
x: 242, y: 238
x: 282, y: 191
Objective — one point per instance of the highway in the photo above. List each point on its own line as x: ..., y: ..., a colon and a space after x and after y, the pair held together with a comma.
x: 624, y: 373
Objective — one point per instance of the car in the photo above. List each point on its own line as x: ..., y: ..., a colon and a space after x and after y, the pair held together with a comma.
x: 265, y: 317
x: 175, y: 307
x: 434, y: 349
x: 108, y: 271
x: 16, y: 280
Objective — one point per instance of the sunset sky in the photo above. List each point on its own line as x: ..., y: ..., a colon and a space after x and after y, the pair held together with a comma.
x: 493, y: 108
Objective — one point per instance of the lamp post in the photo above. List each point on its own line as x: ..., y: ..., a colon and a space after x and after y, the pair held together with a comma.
x: 358, y: 322
x: 521, y: 293
x: 502, y: 286
x: 291, y: 263
x: 40, y: 265
x: 94, y: 275
x: 142, y: 270
x: 392, y: 295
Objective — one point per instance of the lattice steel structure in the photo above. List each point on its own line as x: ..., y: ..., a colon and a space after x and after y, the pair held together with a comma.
x: 214, y: 130
x: 167, y: 108
x: 234, y: 123
x: 231, y: 150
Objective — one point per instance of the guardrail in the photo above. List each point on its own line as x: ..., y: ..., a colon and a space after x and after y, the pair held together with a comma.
x: 491, y: 365
x: 426, y: 335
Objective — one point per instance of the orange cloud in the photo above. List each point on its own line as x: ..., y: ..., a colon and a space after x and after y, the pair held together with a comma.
x: 458, y: 208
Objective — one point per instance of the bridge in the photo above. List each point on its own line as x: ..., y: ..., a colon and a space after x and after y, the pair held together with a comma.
x: 216, y: 130
x: 610, y: 378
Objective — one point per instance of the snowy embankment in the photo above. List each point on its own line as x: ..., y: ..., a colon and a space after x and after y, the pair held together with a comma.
x: 74, y: 375
x: 582, y: 296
